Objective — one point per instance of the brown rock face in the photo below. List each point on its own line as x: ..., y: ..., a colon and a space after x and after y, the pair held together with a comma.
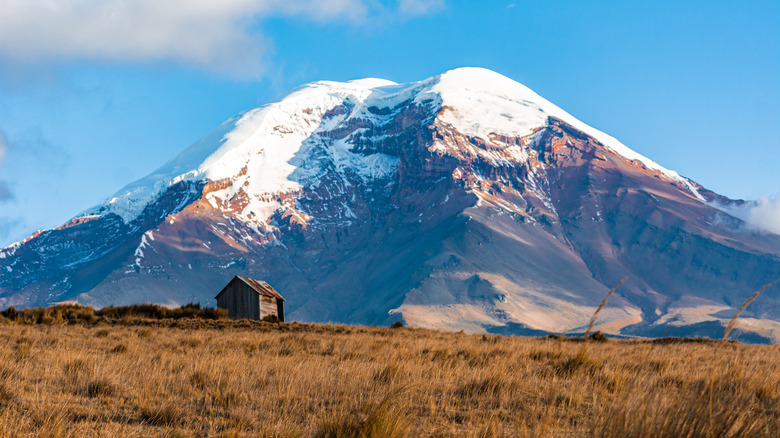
x: 508, y: 235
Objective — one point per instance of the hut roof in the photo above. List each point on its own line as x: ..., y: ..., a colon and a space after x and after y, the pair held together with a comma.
x: 258, y: 286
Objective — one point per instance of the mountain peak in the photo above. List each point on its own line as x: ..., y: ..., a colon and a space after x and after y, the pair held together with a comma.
x: 372, y: 82
x: 476, y: 102
x: 477, y: 77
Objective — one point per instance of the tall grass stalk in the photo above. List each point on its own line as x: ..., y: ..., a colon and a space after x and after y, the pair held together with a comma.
x: 601, y: 306
x: 733, y: 321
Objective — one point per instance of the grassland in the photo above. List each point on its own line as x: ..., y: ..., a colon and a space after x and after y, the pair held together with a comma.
x: 129, y: 374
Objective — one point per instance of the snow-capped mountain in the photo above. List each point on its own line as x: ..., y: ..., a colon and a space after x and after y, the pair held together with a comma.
x: 464, y: 201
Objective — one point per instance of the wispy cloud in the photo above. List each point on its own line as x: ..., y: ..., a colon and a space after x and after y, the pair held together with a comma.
x: 419, y: 7
x: 220, y: 35
x: 29, y: 151
x: 763, y: 214
x: 5, y: 190
x: 9, y: 227
x: 33, y: 149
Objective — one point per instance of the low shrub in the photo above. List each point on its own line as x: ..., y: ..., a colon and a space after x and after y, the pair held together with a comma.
x: 74, y: 314
x: 271, y: 318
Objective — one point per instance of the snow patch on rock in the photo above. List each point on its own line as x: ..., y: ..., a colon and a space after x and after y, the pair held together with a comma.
x: 481, y: 102
x: 259, y: 150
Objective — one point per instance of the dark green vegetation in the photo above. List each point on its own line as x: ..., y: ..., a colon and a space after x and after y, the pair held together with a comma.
x: 73, y: 313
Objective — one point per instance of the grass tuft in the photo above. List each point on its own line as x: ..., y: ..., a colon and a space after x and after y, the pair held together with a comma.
x: 119, y: 349
x: 578, y: 362
x: 165, y: 415
x: 477, y: 388
x: 199, y: 379
x: 98, y: 387
x: 6, y: 396
x: 380, y: 420
x: 386, y: 375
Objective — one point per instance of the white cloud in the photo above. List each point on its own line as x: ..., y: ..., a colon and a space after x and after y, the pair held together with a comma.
x: 419, y: 7
x: 217, y: 35
x: 764, y: 213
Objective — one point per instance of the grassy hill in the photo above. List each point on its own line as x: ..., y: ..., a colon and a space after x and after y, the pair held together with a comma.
x: 196, y: 373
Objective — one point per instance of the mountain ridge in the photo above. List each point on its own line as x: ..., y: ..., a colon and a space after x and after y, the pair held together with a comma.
x: 464, y: 201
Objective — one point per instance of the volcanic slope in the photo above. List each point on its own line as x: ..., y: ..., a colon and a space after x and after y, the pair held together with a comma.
x: 464, y: 201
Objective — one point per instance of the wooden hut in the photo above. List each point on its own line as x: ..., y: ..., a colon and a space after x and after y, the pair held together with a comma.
x: 249, y: 298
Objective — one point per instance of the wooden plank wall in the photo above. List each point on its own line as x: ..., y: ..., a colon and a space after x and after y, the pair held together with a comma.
x: 267, y: 306
x: 240, y: 300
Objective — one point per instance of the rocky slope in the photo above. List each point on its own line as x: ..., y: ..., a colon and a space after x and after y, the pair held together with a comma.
x: 465, y: 201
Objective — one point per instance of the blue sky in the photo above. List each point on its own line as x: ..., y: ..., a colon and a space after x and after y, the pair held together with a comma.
x: 96, y: 93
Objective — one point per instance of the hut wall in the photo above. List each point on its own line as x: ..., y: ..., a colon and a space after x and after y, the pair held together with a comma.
x: 280, y: 310
x: 240, y: 301
x: 267, y: 306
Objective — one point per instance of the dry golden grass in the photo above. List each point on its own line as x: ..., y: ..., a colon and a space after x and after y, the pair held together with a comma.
x: 238, y: 378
